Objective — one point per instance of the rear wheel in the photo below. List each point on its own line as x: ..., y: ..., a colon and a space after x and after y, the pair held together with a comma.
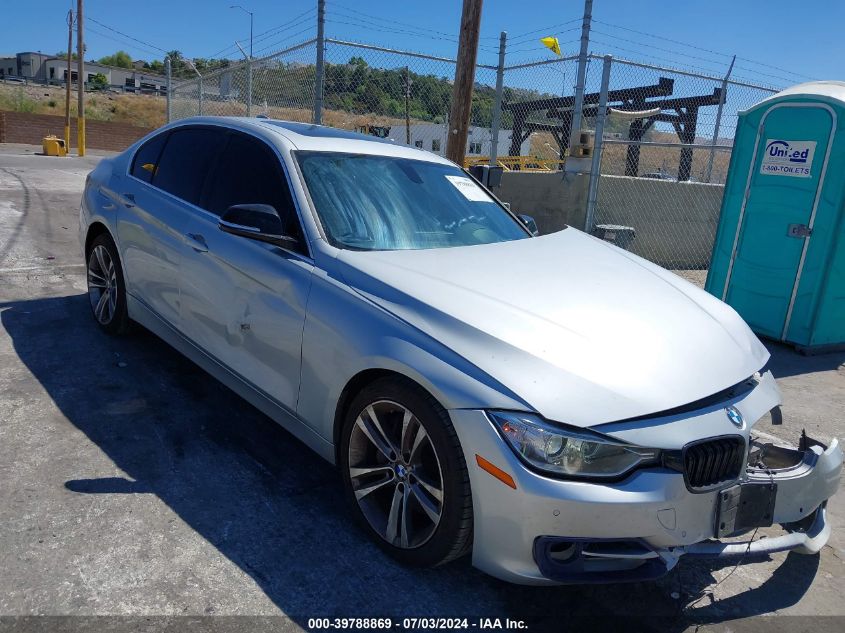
x: 106, y: 288
x: 405, y: 474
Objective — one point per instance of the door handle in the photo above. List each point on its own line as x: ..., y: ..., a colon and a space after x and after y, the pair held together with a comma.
x: 196, y: 242
x: 799, y: 230
x: 131, y: 198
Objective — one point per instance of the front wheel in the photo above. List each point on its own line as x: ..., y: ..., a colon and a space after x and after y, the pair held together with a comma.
x: 405, y: 475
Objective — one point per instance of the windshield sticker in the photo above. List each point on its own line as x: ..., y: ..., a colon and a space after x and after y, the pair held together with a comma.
x: 469, y: 189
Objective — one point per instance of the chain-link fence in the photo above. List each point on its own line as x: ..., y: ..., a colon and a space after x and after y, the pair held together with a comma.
x: 661, y: 158
x: 537, y: 114
x: 281, y: 86
x: 665, y: 152
x: 402, y: 95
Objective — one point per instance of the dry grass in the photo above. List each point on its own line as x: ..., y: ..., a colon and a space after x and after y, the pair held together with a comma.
x: 652, y: 159
x: 140, y: 110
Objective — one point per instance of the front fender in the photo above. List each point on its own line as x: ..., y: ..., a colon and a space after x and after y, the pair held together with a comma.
x: 346, y: 334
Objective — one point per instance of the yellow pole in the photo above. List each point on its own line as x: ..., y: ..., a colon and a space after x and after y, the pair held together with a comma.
x: 67, y: 79
x: 80, y: 64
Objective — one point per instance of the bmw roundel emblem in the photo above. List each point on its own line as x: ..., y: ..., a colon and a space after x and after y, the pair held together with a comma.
x: 735, y: 417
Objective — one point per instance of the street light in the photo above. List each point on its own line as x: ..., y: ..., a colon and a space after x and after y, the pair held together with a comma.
x: 193, y: 67
x: 248, y: 62
x: 251, y: 16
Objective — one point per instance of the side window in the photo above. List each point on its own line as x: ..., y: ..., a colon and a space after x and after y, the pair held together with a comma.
x: 248, y: 172
x: 146, y: 158
x: 186, y: 160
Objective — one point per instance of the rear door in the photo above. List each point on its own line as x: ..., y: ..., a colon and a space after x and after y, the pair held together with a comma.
x: 168, y: 173
x: 782, y: 191
x: 244, y: 301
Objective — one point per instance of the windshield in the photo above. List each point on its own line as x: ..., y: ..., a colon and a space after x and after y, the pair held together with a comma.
x: 385, y: 203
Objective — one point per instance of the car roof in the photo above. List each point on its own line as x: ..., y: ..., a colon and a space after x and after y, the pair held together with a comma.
x: 311, y: 137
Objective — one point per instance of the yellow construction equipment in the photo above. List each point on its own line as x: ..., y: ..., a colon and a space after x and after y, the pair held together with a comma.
x: 53, y: 146
x: 517, y: 163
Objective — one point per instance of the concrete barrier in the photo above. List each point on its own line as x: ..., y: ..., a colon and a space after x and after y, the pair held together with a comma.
x: 553, y: 199
x: 675, y: 222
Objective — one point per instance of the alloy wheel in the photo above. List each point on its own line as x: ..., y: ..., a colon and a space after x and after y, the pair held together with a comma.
x: 102, y: 284
x: 396, y: 475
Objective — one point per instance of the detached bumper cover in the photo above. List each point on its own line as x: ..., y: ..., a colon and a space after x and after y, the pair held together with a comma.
x: 589, y: 562
x: 552, y: 531
x: 808, y: 484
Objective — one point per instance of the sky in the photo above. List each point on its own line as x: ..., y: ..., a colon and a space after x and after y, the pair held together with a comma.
x: 778, y: 42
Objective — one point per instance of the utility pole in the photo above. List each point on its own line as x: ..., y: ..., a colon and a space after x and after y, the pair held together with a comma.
x: 578, y: 108
x: 456, y: 142
x: 407, y: 106
x: 68, y: 78
x: 80, y: 81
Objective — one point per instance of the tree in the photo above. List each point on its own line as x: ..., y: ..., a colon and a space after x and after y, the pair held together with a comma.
x: 98, y: 81
x: 120, y: 59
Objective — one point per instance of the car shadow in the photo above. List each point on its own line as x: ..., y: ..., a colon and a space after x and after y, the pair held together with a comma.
x: 275, y: 509
x: 785, y: 361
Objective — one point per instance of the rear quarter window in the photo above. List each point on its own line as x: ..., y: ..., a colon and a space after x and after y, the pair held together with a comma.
x: 146, y: 158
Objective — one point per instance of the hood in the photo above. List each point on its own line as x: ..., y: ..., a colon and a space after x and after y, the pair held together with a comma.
x: 582, y: 331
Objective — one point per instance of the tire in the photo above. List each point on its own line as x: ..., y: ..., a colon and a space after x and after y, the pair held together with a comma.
x: 106, y: 287
x: 394, y: 468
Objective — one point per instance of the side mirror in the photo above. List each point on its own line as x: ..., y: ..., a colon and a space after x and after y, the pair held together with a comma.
x: 257, y: 222
x: 530, y: 224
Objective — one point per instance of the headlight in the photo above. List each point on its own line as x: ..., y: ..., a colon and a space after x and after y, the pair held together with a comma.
x: 570, y: 452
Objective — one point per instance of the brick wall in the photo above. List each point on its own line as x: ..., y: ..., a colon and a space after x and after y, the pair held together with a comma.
x: 23, y: 127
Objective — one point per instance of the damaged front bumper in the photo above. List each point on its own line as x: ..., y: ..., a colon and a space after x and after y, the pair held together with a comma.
x: 794, y: 486
x: 545, y: 530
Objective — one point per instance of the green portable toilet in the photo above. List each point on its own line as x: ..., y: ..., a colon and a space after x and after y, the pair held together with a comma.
x: 779, y: 255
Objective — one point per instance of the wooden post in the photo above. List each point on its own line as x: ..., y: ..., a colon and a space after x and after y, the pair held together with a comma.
x: 68, y: 78
x: 456, y: 143
x: 80, y: 65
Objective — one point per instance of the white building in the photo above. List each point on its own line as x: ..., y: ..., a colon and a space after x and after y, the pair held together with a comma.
x: 130, y: 79
x: 432, y: 137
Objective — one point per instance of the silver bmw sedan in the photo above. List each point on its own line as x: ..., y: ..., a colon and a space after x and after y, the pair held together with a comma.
x: 562, y: 409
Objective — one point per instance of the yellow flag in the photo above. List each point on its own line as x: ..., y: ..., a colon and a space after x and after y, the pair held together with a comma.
x: 551, y: 44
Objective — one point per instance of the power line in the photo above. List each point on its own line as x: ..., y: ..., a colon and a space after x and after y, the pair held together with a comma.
x: 662, y: 60
x: 706, y: 50
x: 548, y: 29
x: 285, y: 39
x: 405, y: 24
x: 122, y: 42
x: 134, y: 39
x: 658, y: 48
x: 299, y: 19
x: 537, y: 47
x: 360, y: 24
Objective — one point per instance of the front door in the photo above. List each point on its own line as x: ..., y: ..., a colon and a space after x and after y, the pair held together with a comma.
x: 781, y: 198
x: 243, y: 301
